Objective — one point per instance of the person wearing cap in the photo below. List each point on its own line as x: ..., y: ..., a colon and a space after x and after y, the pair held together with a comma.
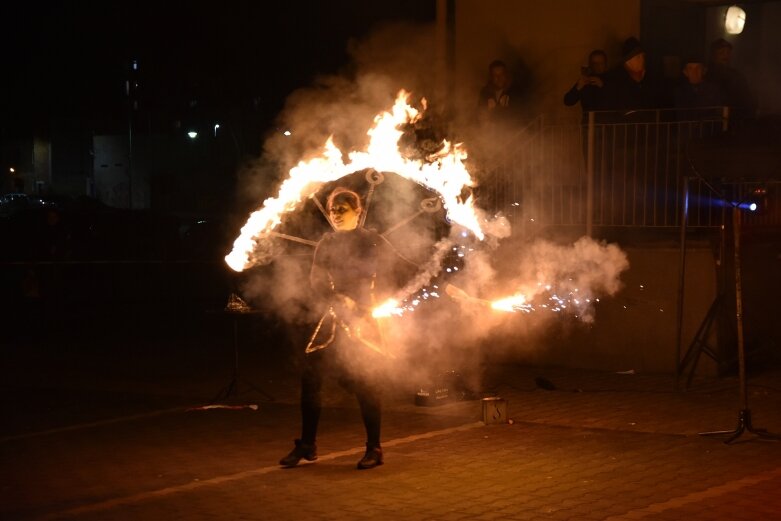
x: 733, y: 84
x: 630, y: 86
x: 695, y: 91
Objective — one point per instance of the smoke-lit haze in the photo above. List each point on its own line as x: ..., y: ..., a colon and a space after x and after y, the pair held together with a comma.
x: 447, y: 330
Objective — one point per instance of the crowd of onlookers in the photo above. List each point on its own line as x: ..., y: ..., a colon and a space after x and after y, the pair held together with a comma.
x: 630, y: 86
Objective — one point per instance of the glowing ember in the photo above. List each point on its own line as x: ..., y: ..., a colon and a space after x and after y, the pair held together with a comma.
x: 512, y: 304
x: 387, y: 308
x: 444, y: 173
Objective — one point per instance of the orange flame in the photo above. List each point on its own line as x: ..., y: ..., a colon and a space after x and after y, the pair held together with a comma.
x: 387, y: 308
x: 445, y: 173
x: 511, y: 304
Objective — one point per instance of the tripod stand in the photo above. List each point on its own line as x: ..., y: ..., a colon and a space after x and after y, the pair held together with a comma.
x: 744, y: 415
x: 700, y: 342
x: 233, y: 388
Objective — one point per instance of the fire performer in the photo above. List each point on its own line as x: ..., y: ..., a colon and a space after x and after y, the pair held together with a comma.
x: 352, y: 267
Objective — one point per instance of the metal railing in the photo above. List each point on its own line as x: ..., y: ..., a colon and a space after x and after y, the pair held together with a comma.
x: 615, y: 170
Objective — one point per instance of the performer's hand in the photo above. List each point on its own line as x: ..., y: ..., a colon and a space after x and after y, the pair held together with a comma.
x: 456, y: 293
x: 462, y: 296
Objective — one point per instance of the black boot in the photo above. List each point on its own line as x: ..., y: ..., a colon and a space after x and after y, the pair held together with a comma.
x: 301, y: 450
x: 372, y: 458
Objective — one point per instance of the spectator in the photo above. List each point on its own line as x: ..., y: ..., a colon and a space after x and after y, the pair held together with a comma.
x: 731, y: 81
x: 695, y: 91
x: 499, y: 101
x: 588, y: 90
x: 631, y: 87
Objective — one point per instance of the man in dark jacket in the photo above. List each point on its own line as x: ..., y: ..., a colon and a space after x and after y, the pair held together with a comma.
x: 631, y: 87
x: 695, y: 91
x: 589, y: 89
x: 499, y: 100
x: 732, y: 82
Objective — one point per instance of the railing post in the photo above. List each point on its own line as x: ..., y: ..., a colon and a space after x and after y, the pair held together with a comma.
x: 590, y: 176
x: 681, y: 277
x: 724, y: 118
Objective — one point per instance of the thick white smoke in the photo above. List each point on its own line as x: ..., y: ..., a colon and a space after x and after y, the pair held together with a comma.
x: 443, y: 332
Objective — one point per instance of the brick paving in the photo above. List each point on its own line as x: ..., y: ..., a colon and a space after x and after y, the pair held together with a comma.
x: 599, y: 446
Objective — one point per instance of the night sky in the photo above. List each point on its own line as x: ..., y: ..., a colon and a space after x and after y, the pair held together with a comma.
x: 65, y: 63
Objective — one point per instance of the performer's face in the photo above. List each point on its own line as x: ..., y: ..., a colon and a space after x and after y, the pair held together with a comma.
x: 344, y: 217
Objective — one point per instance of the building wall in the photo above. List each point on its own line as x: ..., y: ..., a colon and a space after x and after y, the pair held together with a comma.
x: 42, y: 161
x: 756, y: 51
x: 111, y: 174
x: 545, y: 43
x: 672, y: 31
x: 172, y: 173
x: 768, y: 78
x: 637, y: 328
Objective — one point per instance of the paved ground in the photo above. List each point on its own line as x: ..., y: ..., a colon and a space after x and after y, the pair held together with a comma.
x: 98, y: 437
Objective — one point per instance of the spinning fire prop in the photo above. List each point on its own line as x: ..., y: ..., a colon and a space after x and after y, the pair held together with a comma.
x: 442, y: 172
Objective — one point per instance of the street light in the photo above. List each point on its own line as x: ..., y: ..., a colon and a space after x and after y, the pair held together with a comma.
x: 735, y: 20
x: 192, y: 134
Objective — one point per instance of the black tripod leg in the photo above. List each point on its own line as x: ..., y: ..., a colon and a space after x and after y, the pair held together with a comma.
x: 762, y: 433
x: 744, y: 424
x: 229, y: 390
x: 733, y: 434
x: 261, y: 392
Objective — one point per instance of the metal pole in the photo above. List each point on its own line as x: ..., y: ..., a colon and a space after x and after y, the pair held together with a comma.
x: 590, y: 177
x: 744, y: 415
x: 739, y: 309
x: 129, y: 146
x: 681, y: 278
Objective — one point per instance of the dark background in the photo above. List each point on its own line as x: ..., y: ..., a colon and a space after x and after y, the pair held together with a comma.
x: 99, y: 274
x: 68, y: 61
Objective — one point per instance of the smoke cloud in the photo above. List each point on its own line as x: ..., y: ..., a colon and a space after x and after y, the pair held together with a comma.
x: 441, y: 329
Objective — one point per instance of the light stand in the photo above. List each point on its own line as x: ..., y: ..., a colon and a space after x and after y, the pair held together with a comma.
x: 744, y: 415
x: 699, y: 343
x: 233, y: 388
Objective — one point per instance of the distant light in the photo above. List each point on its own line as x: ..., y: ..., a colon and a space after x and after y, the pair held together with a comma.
x: 735, y: 20
x: 12, y: 170
x: 753, y: 207
x: 192, y: 134
x: 134, y: 65
x: 287, y: 133
x: 216, y: 126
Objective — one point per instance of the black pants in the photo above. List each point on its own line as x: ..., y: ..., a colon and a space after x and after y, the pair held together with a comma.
x: 325, y: 363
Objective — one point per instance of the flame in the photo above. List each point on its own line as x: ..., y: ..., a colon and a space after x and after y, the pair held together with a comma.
x: 444, y: 173
x: 511, y: 304
x: 387, y: 308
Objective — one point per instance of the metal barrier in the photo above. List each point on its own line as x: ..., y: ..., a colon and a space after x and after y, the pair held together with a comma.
x: 616, y: 170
